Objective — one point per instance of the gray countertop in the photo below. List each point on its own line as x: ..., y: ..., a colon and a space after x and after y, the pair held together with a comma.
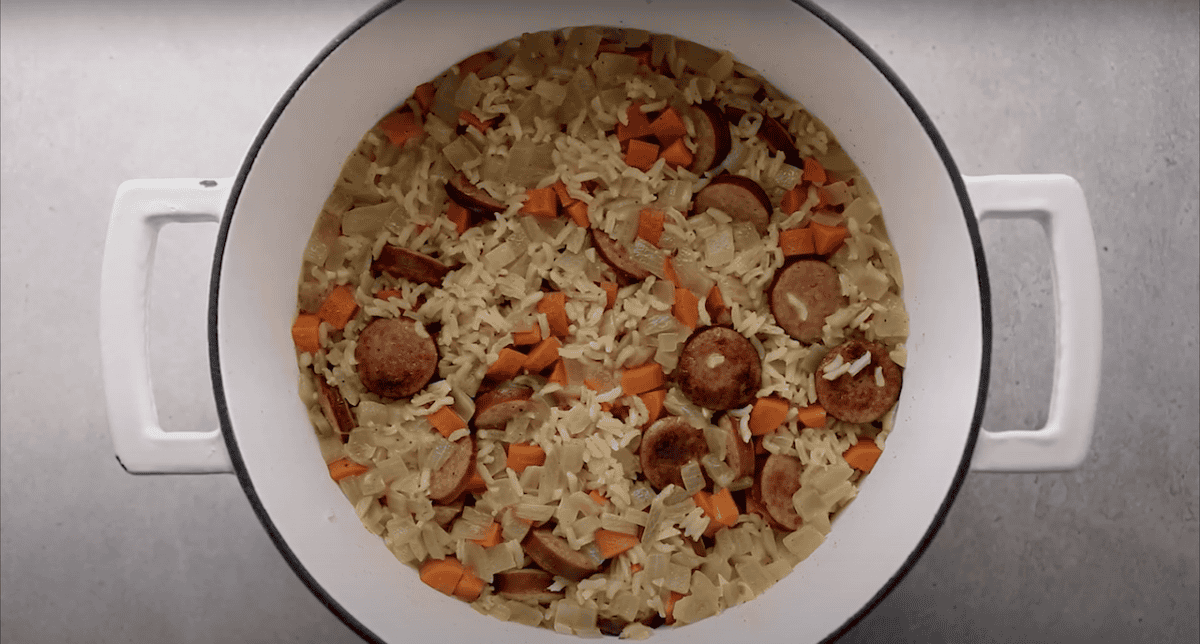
x: 93, y: 94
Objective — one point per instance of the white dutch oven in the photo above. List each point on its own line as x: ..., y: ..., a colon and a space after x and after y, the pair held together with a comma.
x: 267, y: 212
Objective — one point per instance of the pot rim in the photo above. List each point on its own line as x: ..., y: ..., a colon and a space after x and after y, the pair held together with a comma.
x: 854, y: 40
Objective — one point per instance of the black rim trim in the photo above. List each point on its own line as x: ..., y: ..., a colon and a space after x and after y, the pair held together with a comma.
x: 909, y: 99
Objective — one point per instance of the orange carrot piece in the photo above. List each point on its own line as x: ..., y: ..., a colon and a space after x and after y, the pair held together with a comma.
x: 475, y: 62
x: 400, y: 127
x: 540, y: 202
x: 522, y: 455
x: 668, y: 127
x: 475, y: 483
x: 862, y: 455
x: 767, y: 415
x: 424, y: 94
x: 527, y: 338
x: 339, y: 307
x: 507, y: 365
x: 598, y: 497
x: 796, y: 241
x: 446, y: 421
x: 634, y: 568
x: 638, y: 125
x: 686, y: 307
x: 677, y: 154
x: 306, y: 332
x: 578, y: 212
x: 442, y: 574
x: 593, y: 384
x: 654, y: 403
x: 559, y: 375
x: 643, y: 378
x: 650, y: 224
x: 491, y: 536
x: 812, y: 416
x: 669, y: 272
x: 564, y: 198
x: 543, y: 355
x: 554, y: 305
x: 469, y: 587
x: 345, y: 468
x: 613, y: 543
x: 714, y: 303
x: 610, y: 292
x: 792, y: 200
x: 827, y: 239
x: 813, y: 171
x: 725, y: 508
x: 641, y: 155
x: 387, y: 294
x: 669, y: 606
x: 467, y: 117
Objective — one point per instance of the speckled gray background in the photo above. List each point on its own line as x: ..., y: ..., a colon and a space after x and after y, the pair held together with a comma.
x: 1104, y: 91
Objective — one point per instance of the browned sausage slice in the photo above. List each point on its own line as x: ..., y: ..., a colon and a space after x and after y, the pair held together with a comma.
x: 859, y: 398
x: 802, y: 295
x: 719, y: 368
x: 410, y: 265
x: 495, y: 408
x: 739, y: 197
x: 472, y: 197
x: 779, y: 480
x: 713, y: 141
x: 396, y: 359
x: 739, y: 455
x: 668, y: 445
x: 337, y: 411
x: 777, y: 138
x: 617, y: 256
x: 526, y: 584
x: 449, y: 480
x: 555, y: 555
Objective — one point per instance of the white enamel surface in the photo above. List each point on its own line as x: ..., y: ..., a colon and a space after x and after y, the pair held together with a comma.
x: 378, y: 66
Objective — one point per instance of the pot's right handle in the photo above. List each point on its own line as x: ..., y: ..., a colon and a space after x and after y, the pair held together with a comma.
x: 141, y: 209
x: 1057, y: 203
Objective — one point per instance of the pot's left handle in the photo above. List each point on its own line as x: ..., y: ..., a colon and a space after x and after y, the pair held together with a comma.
x: 142, y: 207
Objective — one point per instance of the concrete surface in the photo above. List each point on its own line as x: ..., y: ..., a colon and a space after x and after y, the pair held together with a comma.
x: 96, y: 93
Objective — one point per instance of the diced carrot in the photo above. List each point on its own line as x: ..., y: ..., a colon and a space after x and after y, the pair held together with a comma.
x: 475, y: 483
x: 469, y: 587
x: 796, y: 241
x: 578, y: 212
x: 593, y: 384
x: 669, y: 272
x: 650, y: 224
x: 527, y: 338
x: 554, y: 306
x: 812, y: 416
x: 564, y: 198
x: 543, y: 355
x: 669, y: 606
x: 827, y: 239
x: 540, y: 202
x: 643, y: 378
x: 726, y: 509
x: 613, y: 543
x: 862, y: 455
x: 507, y: 365
x: 654, y: 403
x: 704, y: 501
x: 598, y: 497
x: 634, y: 568
x: 491, y: 536
x: 559, y: 374
x: 400, y: 127
x: 792, y: 200
x: 424, y: 95
x: 641, y: 155
x: 446, y: 421
x: 610, y: 292
x: 467, y: 117
x: 638, y: 125
x: 345, y: 468
x: 339, y: 306
x: 677, y: 154
x: 459, y: 216
x: 668, y: 127
x: 767, y: 415
x: 475, y: 62
x: 714, y: 303
x: 822, y: 198
x: 306, y: 332
x: 442, y: 574
x: 813, y: 171
x: 522, y: 455
x: 687, y: 307
x: 387, y: 294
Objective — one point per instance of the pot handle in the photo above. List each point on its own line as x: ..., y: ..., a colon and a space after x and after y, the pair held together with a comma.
x: 142, y: 207
x: 1056, y: 202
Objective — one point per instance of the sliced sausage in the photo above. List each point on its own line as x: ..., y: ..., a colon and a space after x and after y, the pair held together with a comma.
x: 554, y: 555
x: 802, y: 295
x: 617, y: 256
x: 754, y: 505
x: 526, y: 584
x: 410, y: 265
x: 396, y: 357
x: 495, y: 408
x: 777, y: 138
x: 719, y: 368
x: 859, y: 398
x: 778, y: 481
x: 472, y: 197
x: 447, y: 482
x: 337, y: 411
x: 739, y: 197
x: 713, y: 141
x: 739, y: 454
x: 668, y: 445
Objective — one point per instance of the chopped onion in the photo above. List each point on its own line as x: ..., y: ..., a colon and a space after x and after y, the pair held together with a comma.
x: 693, y: 478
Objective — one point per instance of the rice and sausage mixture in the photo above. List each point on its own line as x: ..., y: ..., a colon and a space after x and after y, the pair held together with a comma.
x: 598, y: 330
